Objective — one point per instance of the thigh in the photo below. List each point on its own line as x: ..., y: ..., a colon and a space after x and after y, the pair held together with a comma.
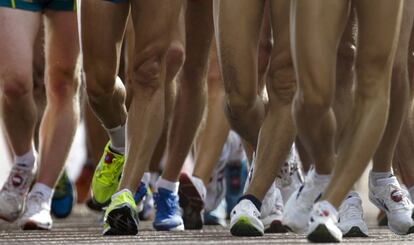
x: 237, y: 28
x: 317, y: 27
x: 378, y: 28
x: 18, y: 33
x: 102, y: 27
x: 62, y: 43
x: 154, y: 25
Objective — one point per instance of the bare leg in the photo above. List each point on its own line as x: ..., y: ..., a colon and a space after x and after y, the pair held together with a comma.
x: 61, y: 116
x: 191, y: 96
x: 238, y: 61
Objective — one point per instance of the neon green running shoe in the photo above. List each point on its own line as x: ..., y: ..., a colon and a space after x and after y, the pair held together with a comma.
x: 105, y: 180
x: 121, y: 216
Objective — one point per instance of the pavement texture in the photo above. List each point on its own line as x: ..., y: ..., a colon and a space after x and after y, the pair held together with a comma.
x: 83, y: 227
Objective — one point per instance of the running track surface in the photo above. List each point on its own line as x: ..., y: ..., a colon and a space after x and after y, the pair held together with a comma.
x: 83, y: 227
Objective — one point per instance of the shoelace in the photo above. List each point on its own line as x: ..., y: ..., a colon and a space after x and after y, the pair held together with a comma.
x: 110, y: 172
x: 166, y: 203
x: 352, y: 211
x: 35, y: 199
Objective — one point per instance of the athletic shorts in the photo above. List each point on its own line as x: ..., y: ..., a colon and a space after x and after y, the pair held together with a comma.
x: 40, y: 5
x: 116, y: 1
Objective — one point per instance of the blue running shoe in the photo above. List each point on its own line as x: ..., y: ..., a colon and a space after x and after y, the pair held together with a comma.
x: 141, y: 192
x: 63, y: 198
x: 167, y: 216
x: 236, y: 176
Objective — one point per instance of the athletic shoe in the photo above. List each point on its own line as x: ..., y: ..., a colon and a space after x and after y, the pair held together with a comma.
x: 14, y: 192
x: 297, y: 209
x: 272, y: 211
x: 167, y: 217
x: 148, y: 209
x: 216, y: 188
x: 217, y: 216
x: 290, y: 177
x: 351, y: 217
x: 388, y: 196
x: 245, y: 220
x: 63, y: 197
x: 192, y: 194
x: 83, y: 182
x: 323, y: 224
x: 37, y: 215
x: 121, y: 216
x: 106, y: 178
x: 236, y: 178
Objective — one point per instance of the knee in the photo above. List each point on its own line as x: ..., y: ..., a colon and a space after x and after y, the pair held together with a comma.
x: 100, y: 80
x: 147, y: 69
x: 239, y: 102
x: 15, y: 85
x: 282, y: 82
x: 374, y: 74
x: 62, y: 83
x: 175, y: 58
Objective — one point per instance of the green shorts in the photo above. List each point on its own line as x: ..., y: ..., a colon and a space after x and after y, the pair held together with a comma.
x: 40, y: 5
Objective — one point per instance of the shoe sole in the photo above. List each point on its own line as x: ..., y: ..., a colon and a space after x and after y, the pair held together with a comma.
x: 191, y: 203
x: 96, y: 206
x: 167, y: 228
x: 322, y: 235
x: 33, y: 226
x: 121, y: 222
x: 276, y: 227
x: 355, y: 232
x: 243, y: 227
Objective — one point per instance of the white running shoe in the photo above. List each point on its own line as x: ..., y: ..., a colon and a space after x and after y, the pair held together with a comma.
x: 388, y: 196
x: 290, y: 177
x: 216, y: 188
x: 272, y: 211
x: 298, y: 207
x: 351, y: 217
x: 245, y: 220
x: 14, y: 192
x: 323, y: 224
x: 37, y: 215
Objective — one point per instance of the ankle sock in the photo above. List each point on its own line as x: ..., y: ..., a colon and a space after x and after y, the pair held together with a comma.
x: 321, y: 178
x: 169, y: 185
x: 146, y: 178
x: 45, y: 190
x: 27, y: 160
x: 253, y: 199
x: 117, y: 137
x: 375, y: 176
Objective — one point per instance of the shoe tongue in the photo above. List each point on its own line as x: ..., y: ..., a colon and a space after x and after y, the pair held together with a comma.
x: 387, y: 181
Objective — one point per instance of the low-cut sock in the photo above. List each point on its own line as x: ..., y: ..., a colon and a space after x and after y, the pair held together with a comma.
x: 117, y: 137
x: 321, y: 178
x: 168, y: 185
x: 45, y: 190
x: 256, y: 202
x: 146, y: 178
x: 28, y: 159
x: 375, y: 176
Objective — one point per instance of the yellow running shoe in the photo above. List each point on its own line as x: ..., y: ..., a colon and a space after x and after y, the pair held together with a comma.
x: 105, y: 180
x: 121, y: 216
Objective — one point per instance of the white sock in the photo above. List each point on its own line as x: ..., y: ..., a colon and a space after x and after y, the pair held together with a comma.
x: 171, y: 186
x: 153, y: 179
x: 146, y: 178
x: 46, y: 191
x: 321, y: 178
x: 375, y: 176
x: 27, y: 160
x: 411, y: 191
x: 117, y: 137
